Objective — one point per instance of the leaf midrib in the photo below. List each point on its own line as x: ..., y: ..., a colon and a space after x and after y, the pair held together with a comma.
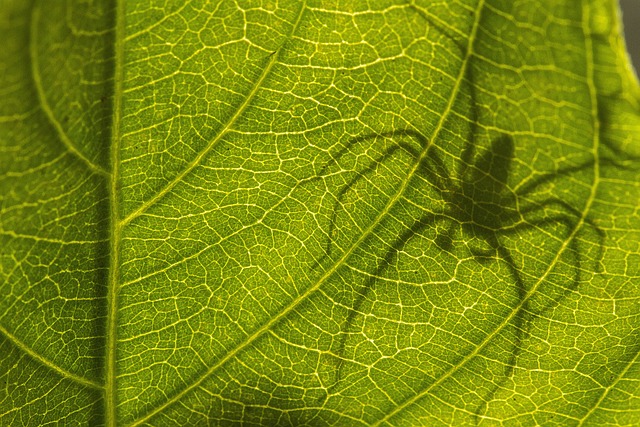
x: 115, y: 227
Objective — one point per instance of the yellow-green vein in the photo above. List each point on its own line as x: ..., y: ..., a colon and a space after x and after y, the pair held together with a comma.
x: 196, y: 161
x: 579, y: 224
x: 330, y: 272
x: 115, y: 227
x: 607, y: 390
x: 42, y: 98
x: 49, y: 364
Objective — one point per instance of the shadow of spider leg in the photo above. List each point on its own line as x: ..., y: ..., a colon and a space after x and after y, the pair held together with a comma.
x: 408, y: 141
x: 363, y: 290
x: 370, y: 169
x: 489, y: 212
x: 479, y: 205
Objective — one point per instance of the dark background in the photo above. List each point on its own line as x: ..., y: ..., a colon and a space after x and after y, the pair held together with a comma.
x: 631, y: 23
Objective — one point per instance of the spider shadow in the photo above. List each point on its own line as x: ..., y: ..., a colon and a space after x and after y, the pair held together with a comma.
x: 398, y: 146
x: 480, y: 205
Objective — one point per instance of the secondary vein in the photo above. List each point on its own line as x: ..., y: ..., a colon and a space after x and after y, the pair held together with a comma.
x: 582, y: 220
x: 329, y: 273
x: 272, y: 61
x: 44, y: 104
x: 196, y: 161
x: 49, y: 364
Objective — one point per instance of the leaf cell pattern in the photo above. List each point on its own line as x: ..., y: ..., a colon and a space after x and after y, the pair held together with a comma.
x: 318, y: 213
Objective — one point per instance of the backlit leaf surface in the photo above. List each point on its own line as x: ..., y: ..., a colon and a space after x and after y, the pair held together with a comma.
x: 318, y: 213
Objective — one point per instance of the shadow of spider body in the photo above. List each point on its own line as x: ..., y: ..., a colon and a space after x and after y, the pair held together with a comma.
x: 478, y: 203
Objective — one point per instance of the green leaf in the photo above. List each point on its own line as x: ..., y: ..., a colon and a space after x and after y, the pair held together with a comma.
x: 318, y: 213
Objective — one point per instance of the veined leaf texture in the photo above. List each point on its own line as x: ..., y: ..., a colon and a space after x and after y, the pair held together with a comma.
x: 318, y: 213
